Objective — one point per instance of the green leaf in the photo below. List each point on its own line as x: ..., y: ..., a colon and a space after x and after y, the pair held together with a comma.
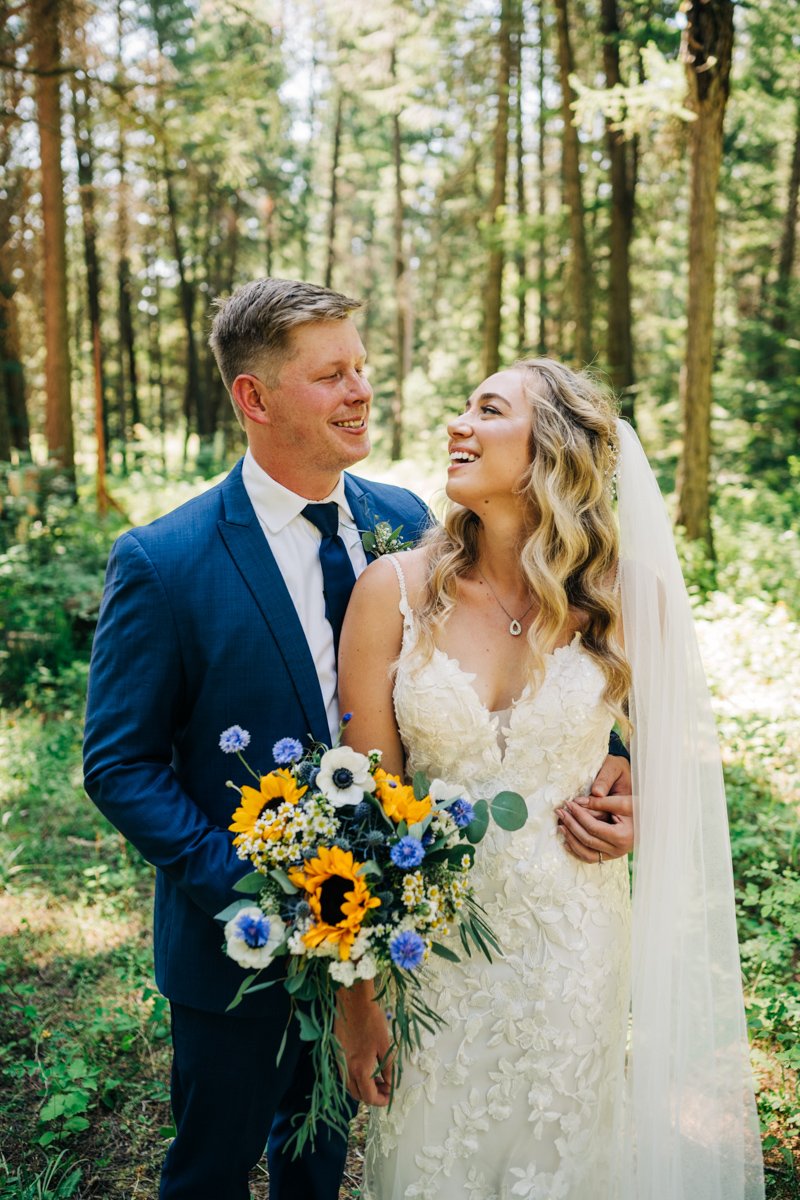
x: 421, y: 785
x: 281, y: 878
x: 368, y: 541
x: 509, y: 811
x: 444, y: 952
x: 479, y: 824
x: 244, y: 988
x: 309, y: 1027
x: 228, y: 913
x: 249, y: 885
x: 455, y: 855
x: 370, y: 867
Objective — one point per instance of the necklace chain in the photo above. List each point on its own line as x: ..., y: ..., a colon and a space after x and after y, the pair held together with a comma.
x: 515, y: 626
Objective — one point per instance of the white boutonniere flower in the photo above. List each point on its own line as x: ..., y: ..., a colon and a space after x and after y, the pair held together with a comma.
x: 384, y: 540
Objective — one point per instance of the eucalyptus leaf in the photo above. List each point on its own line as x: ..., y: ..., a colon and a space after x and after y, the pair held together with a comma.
x: 421, y: 785
x: 281, y: 878
x: 230, y: 912
x: 509, y: 810
x: 479, y: 823
x: 249, y: 885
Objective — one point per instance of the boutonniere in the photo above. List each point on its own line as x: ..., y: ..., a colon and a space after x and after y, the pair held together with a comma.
x: 384, y: 540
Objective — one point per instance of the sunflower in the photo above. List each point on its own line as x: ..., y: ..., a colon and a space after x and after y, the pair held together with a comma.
x: 277, y: 788
x: 398, y: 799
x: 338, y: 896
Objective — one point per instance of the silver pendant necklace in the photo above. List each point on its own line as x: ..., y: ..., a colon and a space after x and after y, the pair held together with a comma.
x: 515, y: 626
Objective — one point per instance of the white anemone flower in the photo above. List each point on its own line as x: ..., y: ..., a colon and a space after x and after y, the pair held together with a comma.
x: 253, y: 936
x: 344, y: 776
x: 441, y: 790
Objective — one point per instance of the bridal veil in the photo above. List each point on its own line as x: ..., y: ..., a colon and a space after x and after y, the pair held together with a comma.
x: 689, y: 1129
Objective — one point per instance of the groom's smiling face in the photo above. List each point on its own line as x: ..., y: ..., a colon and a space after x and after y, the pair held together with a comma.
x: 316, y: 417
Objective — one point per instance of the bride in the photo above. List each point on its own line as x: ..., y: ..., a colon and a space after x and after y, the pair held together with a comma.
x: 603, y: 1056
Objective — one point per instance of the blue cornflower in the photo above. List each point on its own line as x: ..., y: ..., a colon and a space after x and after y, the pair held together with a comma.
x: 461, y: 811
x: 347, y: 718
x: 233, y: 740
x: 253, y: 930
x: 286, y: 751
x: 407, y: 950
x: 407, y: 853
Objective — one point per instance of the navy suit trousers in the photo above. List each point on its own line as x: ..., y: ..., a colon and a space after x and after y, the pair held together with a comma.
x: 218, y: 1144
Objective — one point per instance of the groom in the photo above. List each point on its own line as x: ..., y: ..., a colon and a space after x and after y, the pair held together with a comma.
x: 227, y: 611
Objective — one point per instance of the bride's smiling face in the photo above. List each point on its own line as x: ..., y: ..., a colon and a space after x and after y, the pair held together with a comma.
x: 489, y: 443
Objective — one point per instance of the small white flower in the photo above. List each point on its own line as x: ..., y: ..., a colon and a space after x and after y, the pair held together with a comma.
x: 441, y: 790
x: 366, y: 967
x: 343, y: 972
x: 253, y: 936
x: 344, y: 776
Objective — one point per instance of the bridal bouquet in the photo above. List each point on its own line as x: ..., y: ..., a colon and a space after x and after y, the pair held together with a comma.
x: 357, y: 876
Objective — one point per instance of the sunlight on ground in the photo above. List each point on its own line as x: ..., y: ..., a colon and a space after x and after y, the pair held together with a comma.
x: 55, y: 930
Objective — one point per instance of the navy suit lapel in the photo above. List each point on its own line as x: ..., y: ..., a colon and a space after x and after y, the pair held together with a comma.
x: 251, y: 553
x: 361, y: 507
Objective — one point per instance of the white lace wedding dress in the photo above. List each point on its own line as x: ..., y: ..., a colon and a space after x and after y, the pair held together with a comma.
x: 512, y: 1097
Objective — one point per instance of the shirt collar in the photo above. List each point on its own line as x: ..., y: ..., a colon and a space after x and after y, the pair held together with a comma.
x: 275, y: 505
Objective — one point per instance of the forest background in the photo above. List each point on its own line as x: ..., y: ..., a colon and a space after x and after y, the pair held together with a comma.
x: 612, y: 184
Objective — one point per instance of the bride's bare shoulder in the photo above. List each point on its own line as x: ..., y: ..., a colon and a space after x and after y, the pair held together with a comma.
x: 380, y: 579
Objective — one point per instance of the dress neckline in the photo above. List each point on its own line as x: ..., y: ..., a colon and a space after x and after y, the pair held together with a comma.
x: 469, y: 677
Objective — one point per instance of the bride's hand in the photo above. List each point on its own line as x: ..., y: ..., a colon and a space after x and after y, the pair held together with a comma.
x: 599, y: 827
x: 363, y: 1032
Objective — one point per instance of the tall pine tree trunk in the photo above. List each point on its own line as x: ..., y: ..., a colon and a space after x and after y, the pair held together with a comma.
x: 186, y: 296
x: 580, y: 278
x: 541, y: 124
x: 619, y: 349
x: 334, y: 188
x: 788, y: 245
x: 400, y: 283
x: 522, y: 200
x: 707, y: 52
x: 85, y: 153
x: 45, y: 16
x: 494, y: 275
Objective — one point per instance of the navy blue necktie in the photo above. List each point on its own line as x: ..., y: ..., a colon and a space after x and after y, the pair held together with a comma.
x: 338, y: 576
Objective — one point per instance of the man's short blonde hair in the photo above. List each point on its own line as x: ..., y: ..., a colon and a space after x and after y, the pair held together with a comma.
x: 250, y: 334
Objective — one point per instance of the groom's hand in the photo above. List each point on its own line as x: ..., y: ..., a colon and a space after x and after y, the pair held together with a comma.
x: 601, y: 823
x: 363, y: 1032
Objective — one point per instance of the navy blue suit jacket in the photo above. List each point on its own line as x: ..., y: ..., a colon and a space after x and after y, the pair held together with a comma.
x: 197, y: 632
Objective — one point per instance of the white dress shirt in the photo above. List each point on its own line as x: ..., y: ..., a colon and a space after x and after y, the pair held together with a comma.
x: 294, y: 541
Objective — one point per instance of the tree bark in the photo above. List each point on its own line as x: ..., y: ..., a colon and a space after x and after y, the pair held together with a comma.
x: 522, y: 200
x: 619, y: 347
x: 707, y: 52
x: 707, y: 49
x: 186, y: 292
x: 494, y: 275
x: 45, y: 16
x: 580, y: 278
x: 85, y: 155
x: 541, y: 123
x: 400, y: 283
x: 788, y: 245
x: 334, y: 189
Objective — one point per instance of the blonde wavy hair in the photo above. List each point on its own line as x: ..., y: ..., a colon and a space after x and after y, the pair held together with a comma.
x: 569, y: 553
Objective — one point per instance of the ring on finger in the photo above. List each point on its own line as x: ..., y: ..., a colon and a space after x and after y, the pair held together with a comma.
x: 600, y: 857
